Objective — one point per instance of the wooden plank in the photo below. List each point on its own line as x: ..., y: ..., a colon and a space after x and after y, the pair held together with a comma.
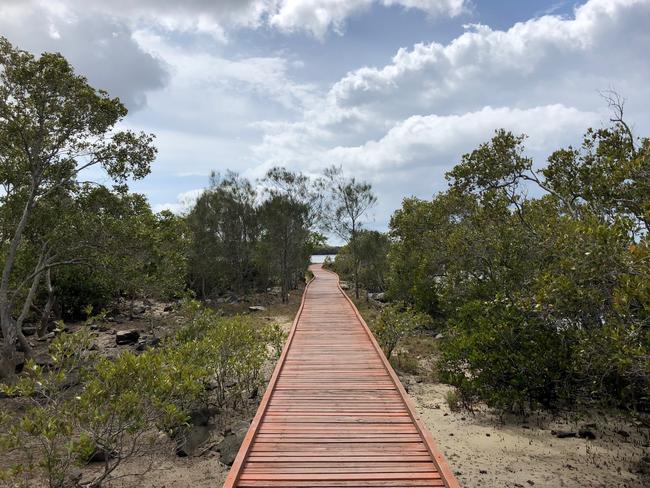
x: 334, y: 413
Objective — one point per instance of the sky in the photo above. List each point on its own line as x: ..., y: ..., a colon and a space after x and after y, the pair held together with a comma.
x: 394, y: 91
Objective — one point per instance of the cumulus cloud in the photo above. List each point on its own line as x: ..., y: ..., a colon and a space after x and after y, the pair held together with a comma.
x: 521, y: 62
x: 404, y: 124
x: 435, y: 140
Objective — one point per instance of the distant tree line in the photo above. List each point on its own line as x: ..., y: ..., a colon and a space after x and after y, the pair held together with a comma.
x: 247, y: 238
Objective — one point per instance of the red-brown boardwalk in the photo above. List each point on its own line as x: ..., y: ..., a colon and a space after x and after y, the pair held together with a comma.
x: 334, y: 413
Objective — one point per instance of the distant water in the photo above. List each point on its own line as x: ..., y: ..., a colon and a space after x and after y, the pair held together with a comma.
x: 320, y: 258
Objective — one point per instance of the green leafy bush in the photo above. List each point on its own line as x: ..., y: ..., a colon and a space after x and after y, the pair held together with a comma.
x: 511, y: 360
x: 82, y: 406
x: 395, y: 322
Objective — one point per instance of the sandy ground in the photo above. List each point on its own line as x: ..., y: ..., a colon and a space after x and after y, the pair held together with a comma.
x: 484, y: 452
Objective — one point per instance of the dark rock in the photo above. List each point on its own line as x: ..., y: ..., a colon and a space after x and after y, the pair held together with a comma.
x: 623, y: 433
x: 563, y: 434
x: 127, y: 337
x: 202, y: 416
x: 586, y: 434
x: 74, y: 477
x: 43, y: 360
x: 139, y: 310
x: 191, y: 439
x: 257, y: 308
x: 100, y: 456
x: 643, y: 466
x: 19, y: 366
x: 229, y: 447
x: 29, y: 330
x: 168, y: 308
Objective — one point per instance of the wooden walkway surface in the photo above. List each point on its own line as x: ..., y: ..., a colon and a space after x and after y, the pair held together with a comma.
x: 334, y: 413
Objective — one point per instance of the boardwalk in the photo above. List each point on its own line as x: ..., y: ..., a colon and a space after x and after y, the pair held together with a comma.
x: 334, y: 413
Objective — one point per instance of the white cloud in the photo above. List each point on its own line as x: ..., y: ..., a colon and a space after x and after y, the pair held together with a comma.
x: 217, y: 17
x: 545, y: 56
x: 435, y: 140
x: 403, y: 125
x: 184, y: 202
x: 317, y: 17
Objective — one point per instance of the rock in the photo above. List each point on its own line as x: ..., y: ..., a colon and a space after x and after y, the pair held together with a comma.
x: 440, y: 336
x: 586, y: 434
x: 74, y: 477
x: 43, y: 360
x: 344, y: 285
x: 46, y: 337
x: 127, y: 337
x: 168, y: 308
x: 29, y: 330
x: 202, y: 416
x: 563, y: 434
x: 139, y: 310
x: 623, y: 433
x: 257, y: 308
x: 147, y: 343
x: 189, y: 443
x: 643, y: 467
x: 379, y: 297
x: 229, y: 447
x: 100, y: 456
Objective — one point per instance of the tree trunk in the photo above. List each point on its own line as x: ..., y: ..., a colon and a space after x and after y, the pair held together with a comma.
x: 45, y: 316
x: 7, y: 323
x: 8, y: 357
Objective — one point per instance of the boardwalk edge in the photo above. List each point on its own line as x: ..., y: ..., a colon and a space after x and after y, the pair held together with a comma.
x: 438, y: 458
x: 236, y: 468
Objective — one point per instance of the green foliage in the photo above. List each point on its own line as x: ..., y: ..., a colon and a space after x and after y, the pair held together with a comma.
x: 82, y: 405
x: 245, y: 239
x: 53, y: 127
x: 510, y: 360
x: 453, y: 400
x: 545, y: 299
x: 395, y: 322
x: 372, y: 250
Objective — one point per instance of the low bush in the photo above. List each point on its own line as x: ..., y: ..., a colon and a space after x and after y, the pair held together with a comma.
x: 83, y: 406
x: 396, y: 321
